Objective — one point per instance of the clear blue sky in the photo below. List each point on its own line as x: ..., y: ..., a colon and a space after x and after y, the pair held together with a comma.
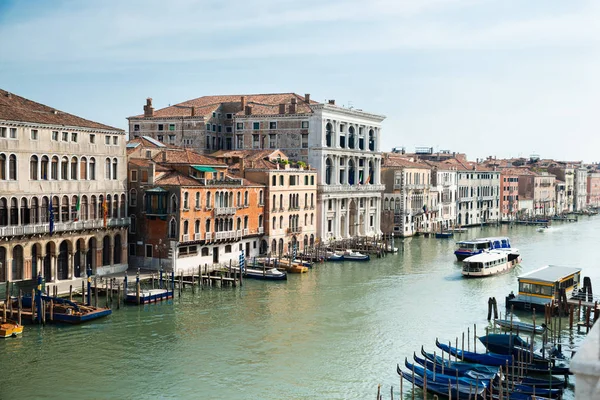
x: 487, y: 77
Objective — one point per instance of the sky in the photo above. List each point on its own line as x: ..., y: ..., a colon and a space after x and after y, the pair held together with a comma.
x: 502, y: 78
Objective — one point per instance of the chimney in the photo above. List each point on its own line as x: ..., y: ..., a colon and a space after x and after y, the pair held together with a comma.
x: 148, y: 109
x: 164, y: 156
x: 248, y: 110
x: 243, y: 167
x: 243, y: 101
x: 193, y: 111
x: 332, y: 102
x: 9, y: 95
x: 307, y: 98
x: 293, y: 105
x: 282, y: 108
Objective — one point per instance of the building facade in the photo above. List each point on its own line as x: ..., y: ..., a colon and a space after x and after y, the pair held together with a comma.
x: 63, y: 200
x: 580, y: 194
x: 188, y: 211
x: 478, y: 194
x: 509, y: 195
x: 593, y: 189
x: 444, y: 187
x: 565, y: 172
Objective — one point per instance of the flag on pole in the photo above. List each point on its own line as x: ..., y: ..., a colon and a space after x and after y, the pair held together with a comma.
x: 104, y: 210
x: 51, y: 211
x: 77, y: 207
x: 368, y: 179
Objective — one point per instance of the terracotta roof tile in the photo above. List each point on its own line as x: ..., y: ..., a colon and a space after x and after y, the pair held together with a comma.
x: 175, y: 178
x: 17, y: 108
x: 185, y: 156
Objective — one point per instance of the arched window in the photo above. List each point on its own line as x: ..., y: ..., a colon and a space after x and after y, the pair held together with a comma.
x: 281, y: 222
x: 44, y: 212
x: 274, y: 223
x: 54, y: 168
x: 172, y: 228
x: 17, y: 260
x: 246, y: 222
x: 371, y: 140
x: 64, y: 168
x: 305, y: 180
x: 114, y: 168
x: 197, y: 203
x: 3, y: 212
x: 115, y: 213
x: 74, y: 168
x: 94, y: 208
x: 44, y: 168
x: 108, y: 205
x: 132, y: 224
x: 246, y: 198
x: 117, y: 250
x: 186, y: 226
x: 107, y: 168
x: 305, y: 219
x: 208, y: 200
x: 328, y: 171
x: 239, y: 224
x: 83, y: 168
x: 74, y: 211
x: 207, y: 227
x: 14, y: 211
x: 173, y: 203
x: 33, y: 168
x: 239, y: 199
x: 312, y: 200
x: 274, y: 203
x: 92, y: 169
x: 280, y: 180
x: 328, y: 134
x: 197, y: 227
x: 281, y: 202
x: 106, y: 250
x: 2, y: 166
x: 274, y: 246
x: 133, y: 198
x: 386, y: 204
x: 274, y: 180
x: 35, y: 210
x: 261, y: 199
x: 312, y: 216
x: 351, y: 137
x: 24, y: 212
x: 186, y: 198
x: 84, y: 209
x: 12, y: 167
x: 64, y: 209
x: 260, y: 221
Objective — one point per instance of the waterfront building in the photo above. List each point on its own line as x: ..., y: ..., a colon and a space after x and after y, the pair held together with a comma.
x: 593, y: 189
x: 509, y: 195
x: 580, y: 194
x: 406, y: 199
x: 478, y: 194
x: 562, y: 205
x: 565, y: 172
x: 63, y: 199
x: 540, y: 187
x: 341, y: 143
x: 291, y: 197
x: 188, y: 210
x: 443, y: 190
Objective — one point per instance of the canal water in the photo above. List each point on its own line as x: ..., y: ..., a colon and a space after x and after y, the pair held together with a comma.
x: 335, y: 332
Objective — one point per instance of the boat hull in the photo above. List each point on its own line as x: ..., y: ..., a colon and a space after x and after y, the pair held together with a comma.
x: 10, y: 329
x: 151, y: 296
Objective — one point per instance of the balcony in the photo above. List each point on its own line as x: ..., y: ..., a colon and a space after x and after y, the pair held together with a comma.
x: 261, y: 230
x: 245, y: 232
x: 185, y: 238
x: 414, y: 186
x: 294, y: 229
x: 224, y: 211
x: 197, y: 236
x: 22, y: 230
x: 225, y: 235
x: 208, y: 236
x: 294, y: 209
x: 350, y: 188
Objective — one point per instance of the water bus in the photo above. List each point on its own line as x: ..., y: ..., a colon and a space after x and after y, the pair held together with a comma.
x: 468, y: 248
x: 542, y: 286
x: 491, y: 262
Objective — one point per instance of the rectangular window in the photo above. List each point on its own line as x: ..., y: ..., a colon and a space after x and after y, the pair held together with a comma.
x: 329, y: 225
x: 214, y: 128
x: 160, y: 138
x: 255, y: 141
x: 161, y: 127
x: 171, y: 127
x: 65, y: 136
x: 115, y: 140
x: 228, y: 129
x: 256, y: 126
x: 134, y: 175
x: 220, y: 128
x: 132, y: 249
x: 136, y: 128
x: 148, y: 250
x: 92, y: 138
x: 304, y: 124
x: 239, y: 126
x: 229, y: 116
x: 107, y: 140
x: 214, y: 115
x: 273, y: 125
x: 240, y: 142
x: 74, y: 137
x: 13, y: 133
x: 305, y: 141
x: 144, y: 176
x: 208, y: 127
x: 171, y: 139
x: 148, y: 154
x: 34, y: 134
x: 272, y: 140
x: 3, y: 132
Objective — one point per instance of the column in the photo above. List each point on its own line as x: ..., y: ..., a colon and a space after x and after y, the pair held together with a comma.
x: 83, y: 263
x: 367, y: 171
x: 355, y: 170
x: 335, y: 170
x: 9, y: 263
x: 71, y: 265
x: 53, y: 266
x: 347, y: 220
x: 367, y: 220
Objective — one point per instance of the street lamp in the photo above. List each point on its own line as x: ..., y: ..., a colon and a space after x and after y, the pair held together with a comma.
x: 159, y: 249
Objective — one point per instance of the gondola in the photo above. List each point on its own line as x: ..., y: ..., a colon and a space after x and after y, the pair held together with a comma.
x: 446, y: 378
x: 461, y: 366
x: 519, y: 326
x: 457, y: 391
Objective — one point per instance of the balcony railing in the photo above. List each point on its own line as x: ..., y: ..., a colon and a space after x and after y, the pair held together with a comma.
x: 416, y: 186
x: 350, y: 188
x: 208, y: 235
x: 185, y: 238
x: 224, y: 211
x: 261, y: 230
x: 225, y: 235
x: 197, y: 236
x: 294, y: 229
x: 245, y: 232
x: 21, y: 230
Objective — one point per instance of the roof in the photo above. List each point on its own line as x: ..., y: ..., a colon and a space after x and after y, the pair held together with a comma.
x: 550, y: 273
x: 262, y: 104
x: 487, y: 256
x: 20, y: 109
x: 250, y: 155
x: 390, y: 161
x: 186, y: 156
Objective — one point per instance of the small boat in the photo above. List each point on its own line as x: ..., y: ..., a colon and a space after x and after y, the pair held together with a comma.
x: 490, y: 263
x: 458, y: 369
x: 444, y: 235
x: 66, y: 311
x: 270, y: 274
x: 446, y: 378
x: 519, y: 326
x: 502, y: 343
x: 543, y: 228
x: 457, y: 391
x: 462, y: 365
x: 10, y: 328
x: 149, y: 296
x: 331, y: 256
x: 350, y: 255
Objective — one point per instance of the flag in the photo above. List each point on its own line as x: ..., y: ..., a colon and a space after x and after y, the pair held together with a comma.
x: 368, y: 179
x: 51, y: 211
x: 104, y: 210
x: 77, y: 207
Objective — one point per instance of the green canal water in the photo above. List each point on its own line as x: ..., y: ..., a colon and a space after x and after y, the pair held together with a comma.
x: 335, y: 332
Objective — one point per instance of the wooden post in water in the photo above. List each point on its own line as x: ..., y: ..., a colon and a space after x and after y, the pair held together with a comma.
x: 434, y: 365
x: 118, y: 296
x: 463, y: 345
x: 475, y: 338
x: 96, y: 291
x: 71, y: 292
x: 82, y: 292
x: 43, y: 308
x: 32, y: 305
x: 51, y: 310
x: 468, y: 338
x: 137, y: 291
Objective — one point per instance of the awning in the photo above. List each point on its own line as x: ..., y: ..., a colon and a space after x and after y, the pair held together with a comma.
x: 156, y: 190
x: 203, y: 169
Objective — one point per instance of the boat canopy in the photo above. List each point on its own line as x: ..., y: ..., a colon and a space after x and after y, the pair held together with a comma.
x: 550, y: 273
